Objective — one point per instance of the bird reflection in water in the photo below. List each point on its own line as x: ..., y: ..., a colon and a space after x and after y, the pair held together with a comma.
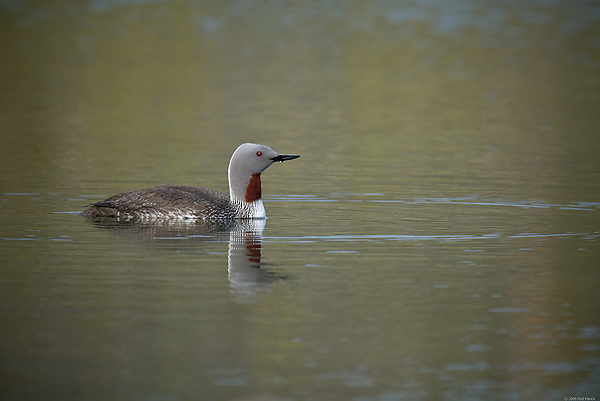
x: 247, y: 275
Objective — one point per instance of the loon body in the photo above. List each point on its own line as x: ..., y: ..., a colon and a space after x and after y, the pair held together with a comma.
x: 191, y: 202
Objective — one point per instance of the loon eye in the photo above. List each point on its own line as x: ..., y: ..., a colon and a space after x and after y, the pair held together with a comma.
x: 259, y: 153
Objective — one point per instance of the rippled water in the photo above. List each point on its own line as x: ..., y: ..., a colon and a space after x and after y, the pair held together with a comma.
x: 438, y: 239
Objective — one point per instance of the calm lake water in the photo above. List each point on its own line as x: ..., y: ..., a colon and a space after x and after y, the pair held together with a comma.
x: 439, y: 239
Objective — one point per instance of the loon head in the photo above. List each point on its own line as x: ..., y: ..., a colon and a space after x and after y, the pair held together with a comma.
x: 247, y: 163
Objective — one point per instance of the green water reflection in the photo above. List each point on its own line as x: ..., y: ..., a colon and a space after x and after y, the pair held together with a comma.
x: 437, y: 240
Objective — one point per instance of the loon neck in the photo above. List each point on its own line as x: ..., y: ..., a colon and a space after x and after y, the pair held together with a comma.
x: 246, y: 194
x: 253, y: 190
x: 245, y: 190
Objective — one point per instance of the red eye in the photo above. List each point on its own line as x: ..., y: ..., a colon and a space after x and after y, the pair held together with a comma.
x: 259, y: 153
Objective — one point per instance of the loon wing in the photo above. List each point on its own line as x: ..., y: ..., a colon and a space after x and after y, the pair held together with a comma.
x: 163, y: 201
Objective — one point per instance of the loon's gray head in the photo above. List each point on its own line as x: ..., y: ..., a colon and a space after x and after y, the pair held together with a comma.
x: 245, y: 166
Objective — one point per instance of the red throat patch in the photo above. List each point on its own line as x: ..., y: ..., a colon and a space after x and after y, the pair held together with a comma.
x: 253, y: 192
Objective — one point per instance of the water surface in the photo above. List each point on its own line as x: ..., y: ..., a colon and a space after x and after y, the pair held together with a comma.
x: 438, y: 239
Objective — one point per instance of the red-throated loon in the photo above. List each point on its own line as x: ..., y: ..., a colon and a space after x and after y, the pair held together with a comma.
x: 190, y: 202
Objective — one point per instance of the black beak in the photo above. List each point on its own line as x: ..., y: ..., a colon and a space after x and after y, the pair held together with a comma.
x: 282, y: 158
